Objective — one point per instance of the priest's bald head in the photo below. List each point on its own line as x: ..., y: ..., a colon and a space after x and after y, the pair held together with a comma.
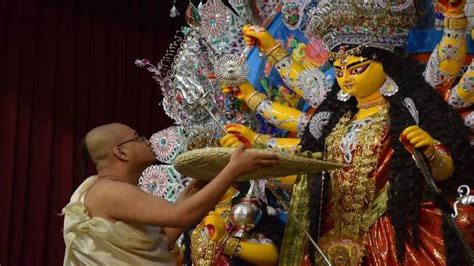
x: 117, y: 145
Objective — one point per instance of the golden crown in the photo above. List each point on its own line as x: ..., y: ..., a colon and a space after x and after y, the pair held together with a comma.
x: 376, y: 23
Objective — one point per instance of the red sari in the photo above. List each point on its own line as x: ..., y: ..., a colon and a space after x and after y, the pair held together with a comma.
x: 346, y: 226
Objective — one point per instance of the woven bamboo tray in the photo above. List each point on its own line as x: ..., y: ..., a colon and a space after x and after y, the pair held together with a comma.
x: 208, y: 162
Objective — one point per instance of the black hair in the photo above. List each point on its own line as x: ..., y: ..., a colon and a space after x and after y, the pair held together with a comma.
x: 406, y: 183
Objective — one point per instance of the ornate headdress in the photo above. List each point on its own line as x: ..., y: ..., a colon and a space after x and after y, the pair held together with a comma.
x: 370, y: 23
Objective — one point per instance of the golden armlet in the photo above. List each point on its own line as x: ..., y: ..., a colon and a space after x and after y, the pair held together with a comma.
x: 276, y: 46
x: 255, y: 99
x: 231, y: 246
x: 261, y: 140
x: 455, y: 23
x: 276, y: 54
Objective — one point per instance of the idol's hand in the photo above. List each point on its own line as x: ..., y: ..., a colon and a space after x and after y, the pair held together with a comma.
x: 416, y: 137
x: 238, y: 134
x: 215, y: 226
x: 242, y: 132
x: 231, y: 141
x: 256, y: 35
x: 451, y: 8
x: 242, y: 92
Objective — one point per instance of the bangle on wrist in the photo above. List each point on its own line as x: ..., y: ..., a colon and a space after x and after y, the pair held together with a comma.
x: 439, y: 150
x: 255, y: 99
x: 455, y: 23
x: 261, y: 140
x: 251, y: 95
x: 232, y: 247
x: 433, y: 156
x: 269, y: 51
x: 276, y: 54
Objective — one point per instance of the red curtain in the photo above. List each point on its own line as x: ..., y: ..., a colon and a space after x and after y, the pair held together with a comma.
x: 67, y: 66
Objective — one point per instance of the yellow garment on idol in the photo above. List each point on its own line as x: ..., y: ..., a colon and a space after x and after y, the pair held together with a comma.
x: 97, y: 241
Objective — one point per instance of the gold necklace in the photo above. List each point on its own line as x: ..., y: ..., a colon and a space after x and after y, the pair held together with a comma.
x: 367, y: 105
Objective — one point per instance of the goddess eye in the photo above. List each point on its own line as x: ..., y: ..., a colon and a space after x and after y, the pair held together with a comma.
x: 339, y: 73
x: 358, y: 70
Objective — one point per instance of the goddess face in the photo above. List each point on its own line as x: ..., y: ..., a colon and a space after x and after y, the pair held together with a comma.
x: 359, y: 76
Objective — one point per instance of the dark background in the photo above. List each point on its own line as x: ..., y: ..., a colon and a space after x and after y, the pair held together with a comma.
x: 67, y: 66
